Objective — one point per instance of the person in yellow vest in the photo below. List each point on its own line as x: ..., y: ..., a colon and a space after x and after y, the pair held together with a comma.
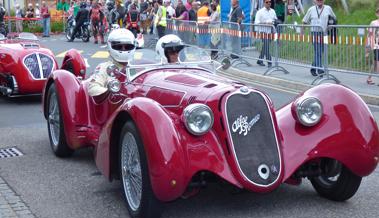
x: 203, y: 17
x: 161, y: 19
x: 218, y: 7
x: 203, y: 14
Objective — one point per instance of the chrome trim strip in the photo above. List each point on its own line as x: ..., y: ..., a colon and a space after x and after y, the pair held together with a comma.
x: 15, y: 85
x: 232, y: 143
x: 40, y: 66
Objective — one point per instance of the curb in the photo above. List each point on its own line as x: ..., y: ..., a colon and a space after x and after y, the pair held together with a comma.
x: 284, y: 84
x: 11, y: 204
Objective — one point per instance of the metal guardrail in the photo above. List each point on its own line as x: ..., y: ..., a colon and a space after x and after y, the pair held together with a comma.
x: 351, y: 48
x: 344, y: 48
x: 305, y: 46
x: 186, y: 30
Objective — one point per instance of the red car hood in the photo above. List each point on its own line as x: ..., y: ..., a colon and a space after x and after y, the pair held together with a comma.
x: 175, y: 85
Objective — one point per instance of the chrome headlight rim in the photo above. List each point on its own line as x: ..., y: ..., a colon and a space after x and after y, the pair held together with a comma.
x: 197, y: 108
x: 114, y: 85
x: 301, y: 103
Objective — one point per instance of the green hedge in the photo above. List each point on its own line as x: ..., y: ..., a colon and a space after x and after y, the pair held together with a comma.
x: 36, y: 26
x: 57, y: 26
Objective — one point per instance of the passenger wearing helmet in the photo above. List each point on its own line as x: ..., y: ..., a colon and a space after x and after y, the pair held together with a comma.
x: 81, y: 17
x: 168, y: 48
x: 121, y: 45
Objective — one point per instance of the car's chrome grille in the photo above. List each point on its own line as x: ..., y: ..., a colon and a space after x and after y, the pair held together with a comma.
x: 31, y: 62
x: 39, y: 65
x: 253, y: 137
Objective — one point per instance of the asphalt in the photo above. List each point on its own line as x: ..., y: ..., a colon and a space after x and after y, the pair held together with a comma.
x: 299, y: 79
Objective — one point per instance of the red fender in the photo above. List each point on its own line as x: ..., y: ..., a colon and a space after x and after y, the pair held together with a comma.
x: 173, y: 154
x: 347, y: 132
x: 74, y: 62
x: 71, y: 97
x: 165, y: 155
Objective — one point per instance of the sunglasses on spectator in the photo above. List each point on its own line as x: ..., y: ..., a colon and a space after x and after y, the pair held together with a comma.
x: 268, y: 2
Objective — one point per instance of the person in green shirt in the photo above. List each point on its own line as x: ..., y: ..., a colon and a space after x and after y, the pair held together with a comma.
x: 280, y: 10
x: 63, y: 6
x: 76, y: 8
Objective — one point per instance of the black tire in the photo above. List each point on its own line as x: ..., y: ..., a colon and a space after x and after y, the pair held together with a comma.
x: 68, y: 33
x: 58, y: 141
x: 340, y: 189
x: 148, y: 206
x: 86, y: 34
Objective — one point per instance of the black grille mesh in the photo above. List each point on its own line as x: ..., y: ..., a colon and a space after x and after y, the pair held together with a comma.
x: 31, y: 63
x: 259, y: 145
x: 47, y: 65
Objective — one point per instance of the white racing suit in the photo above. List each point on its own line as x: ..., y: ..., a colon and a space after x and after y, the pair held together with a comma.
x: 99, y: 79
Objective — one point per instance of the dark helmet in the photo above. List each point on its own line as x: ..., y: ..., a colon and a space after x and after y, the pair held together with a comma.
x: 83, y: 5
x: 110, y: 5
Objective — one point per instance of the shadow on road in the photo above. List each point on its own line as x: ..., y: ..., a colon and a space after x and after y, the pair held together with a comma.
x: 30, y: 99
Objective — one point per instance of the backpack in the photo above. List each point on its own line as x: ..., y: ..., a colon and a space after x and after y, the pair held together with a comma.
x: 95, y: 14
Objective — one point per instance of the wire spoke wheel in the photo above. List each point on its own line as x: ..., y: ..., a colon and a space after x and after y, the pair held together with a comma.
x: 134, y: 173
x: 54, y: 120
x: 55, y: 126
x: 131, y: 171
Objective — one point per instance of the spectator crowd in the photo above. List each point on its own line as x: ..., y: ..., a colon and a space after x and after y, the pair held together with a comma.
x: 140, y: 16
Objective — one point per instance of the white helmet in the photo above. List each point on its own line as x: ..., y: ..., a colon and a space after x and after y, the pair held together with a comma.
x: 168, y: 43
x: 121, y: 45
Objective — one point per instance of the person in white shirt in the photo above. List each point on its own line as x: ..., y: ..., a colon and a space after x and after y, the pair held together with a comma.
x: 37, y: 11
x: 170, y: 9
x: 318, y: 16
x: 265, y: 18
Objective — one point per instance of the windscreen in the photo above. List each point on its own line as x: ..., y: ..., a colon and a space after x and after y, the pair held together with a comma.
x: 193, y: 55
x: 27, y: 36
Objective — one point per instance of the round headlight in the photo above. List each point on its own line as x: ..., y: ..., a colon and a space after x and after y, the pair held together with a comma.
x: 114, y: 85
x: 309, y: 111
x: 198, y: 118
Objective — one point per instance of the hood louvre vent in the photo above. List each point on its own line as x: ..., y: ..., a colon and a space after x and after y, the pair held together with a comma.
x: 185, y: 80
x: 210, y: 85
x: 191, y: 100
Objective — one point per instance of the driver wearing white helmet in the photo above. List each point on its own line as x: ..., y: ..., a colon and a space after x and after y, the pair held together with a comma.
x: 121, y: 46
x: 168, y: 48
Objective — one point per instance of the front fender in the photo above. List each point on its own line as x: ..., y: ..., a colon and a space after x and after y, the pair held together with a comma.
x: 74, y: 63
x: 165, y: 155
x: 347, y: 132
x: 72, y: 103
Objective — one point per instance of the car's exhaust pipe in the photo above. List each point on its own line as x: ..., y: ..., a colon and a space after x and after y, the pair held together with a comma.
x: 5, y: 90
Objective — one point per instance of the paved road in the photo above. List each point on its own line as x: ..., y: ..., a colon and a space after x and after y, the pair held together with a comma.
x: 73, y: 187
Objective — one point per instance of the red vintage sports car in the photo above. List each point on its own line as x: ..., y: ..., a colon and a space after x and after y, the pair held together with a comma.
x: 24, y: 65
x: 164, y: 129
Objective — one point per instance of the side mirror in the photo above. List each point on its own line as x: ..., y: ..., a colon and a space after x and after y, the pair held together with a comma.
x: 225, y: 63
x: 114, y: 85
x: 112, y: 70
